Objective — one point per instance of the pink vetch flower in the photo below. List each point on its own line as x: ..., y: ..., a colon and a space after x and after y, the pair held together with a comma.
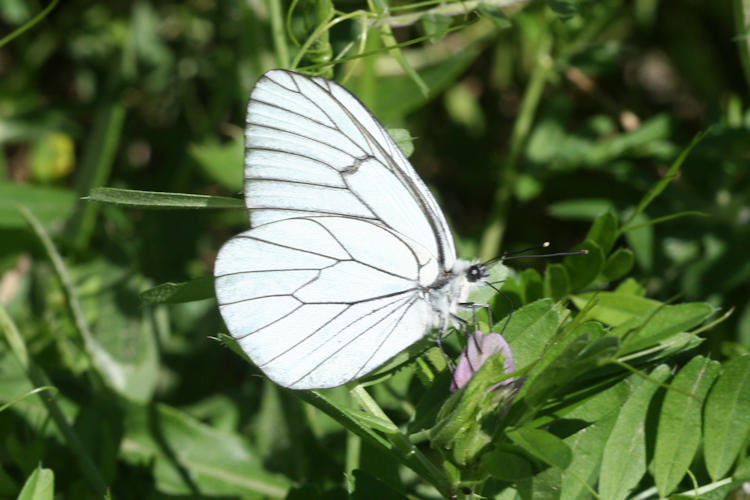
x: 479, y: 347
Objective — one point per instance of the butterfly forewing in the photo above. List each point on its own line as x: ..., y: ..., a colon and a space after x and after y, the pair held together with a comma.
x: 312, y: 148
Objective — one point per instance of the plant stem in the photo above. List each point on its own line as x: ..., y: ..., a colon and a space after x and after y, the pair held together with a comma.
x: 493, y: 235
x: 29, y: 24
x: 277, y: 33
x: 420, y: 463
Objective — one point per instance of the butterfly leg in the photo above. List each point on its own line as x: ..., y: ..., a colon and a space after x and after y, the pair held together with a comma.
x: 474, y: 306
x: 439, y: 342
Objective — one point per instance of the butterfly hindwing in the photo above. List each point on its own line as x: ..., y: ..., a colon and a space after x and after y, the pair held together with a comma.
x: 318, y: 301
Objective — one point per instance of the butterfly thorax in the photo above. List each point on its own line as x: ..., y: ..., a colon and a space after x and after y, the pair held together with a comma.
x: 452, y: 288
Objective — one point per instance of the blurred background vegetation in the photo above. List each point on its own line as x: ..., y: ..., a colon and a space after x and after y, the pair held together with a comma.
x: 528, y: 122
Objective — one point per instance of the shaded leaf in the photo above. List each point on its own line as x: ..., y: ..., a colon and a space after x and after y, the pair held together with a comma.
x: 540, y: 444
x: 679, y: 429
x: 618, y: 264
x: 587, y: 446
x: 727, y: 417
x: 556, y: 281
x: 189, y: 456
x: 624, y: 459
x: 583, y: 269
x: 603, y: 231
x: 506, y: 465
x: 40, y: 485
x: 174, y: 293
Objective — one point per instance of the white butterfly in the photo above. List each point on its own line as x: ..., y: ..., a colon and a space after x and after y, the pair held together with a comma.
x: 349, y: 259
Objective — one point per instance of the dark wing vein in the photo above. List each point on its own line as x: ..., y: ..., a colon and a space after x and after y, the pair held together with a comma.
x: 400, y: 174
x: 289, y: 110
x: 387, y: 336
x: 361, y: 217
x: 391, y: 273
x: 292, y: 153
x: 356, y: 337
x: 311, y: 334
x: 256, y: 178
x: 306, y: 137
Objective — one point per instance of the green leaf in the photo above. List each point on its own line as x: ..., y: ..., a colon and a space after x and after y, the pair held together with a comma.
x: 641, y: 241
x: 189, y: 456
x: 221, y: 163
x: 368, y: 487
x: 618, y: 264
x: 624, y: 459
x: 506, y: 466
x: 127, y: 365
x: 125, y: 340
x: 727, y: 417
x: 530, y: 329
x: 435, y: 25
x: 613, y: 308
x: 47, y: 203
x: 600, y: 405
x: 540, y: 444
x: 40, y: 485
x: 403, y: 140
x: 556, y: 281
x: 175, y: 293
x: 662, y: 324
x: 604, y: 231
x: 587, y: 446
x: 679, y: 428
x: 587, y: 208
x: 578, y: 357
x: 583, y: 269
x: 161, y: 201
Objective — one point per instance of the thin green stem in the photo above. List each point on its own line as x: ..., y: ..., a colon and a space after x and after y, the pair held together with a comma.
x: 493, y: 235
x: 277, y: 33
x: 742, y: 25
x: 62, y: 273
x: 420, y: 463
x: 96, y: 166
x: 319, y: 31
x: 29, y: 24
x: 664, y: 181
x: 380, y: 7
x: 353, y: 448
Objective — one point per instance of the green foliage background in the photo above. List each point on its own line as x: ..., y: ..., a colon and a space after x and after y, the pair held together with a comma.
x: 566, y: 121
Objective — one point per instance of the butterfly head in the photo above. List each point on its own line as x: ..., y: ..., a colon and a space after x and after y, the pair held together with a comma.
x: 477, y: 272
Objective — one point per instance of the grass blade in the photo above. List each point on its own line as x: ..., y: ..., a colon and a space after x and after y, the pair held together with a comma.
x: 161, y: 201
x: 39, y: 379
x: 662, y: 184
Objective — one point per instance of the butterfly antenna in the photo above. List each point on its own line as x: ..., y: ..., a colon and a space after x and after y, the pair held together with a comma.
x: 520, y: 254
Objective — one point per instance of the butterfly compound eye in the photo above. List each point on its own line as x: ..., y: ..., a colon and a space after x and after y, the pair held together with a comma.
x: 476, y: 273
